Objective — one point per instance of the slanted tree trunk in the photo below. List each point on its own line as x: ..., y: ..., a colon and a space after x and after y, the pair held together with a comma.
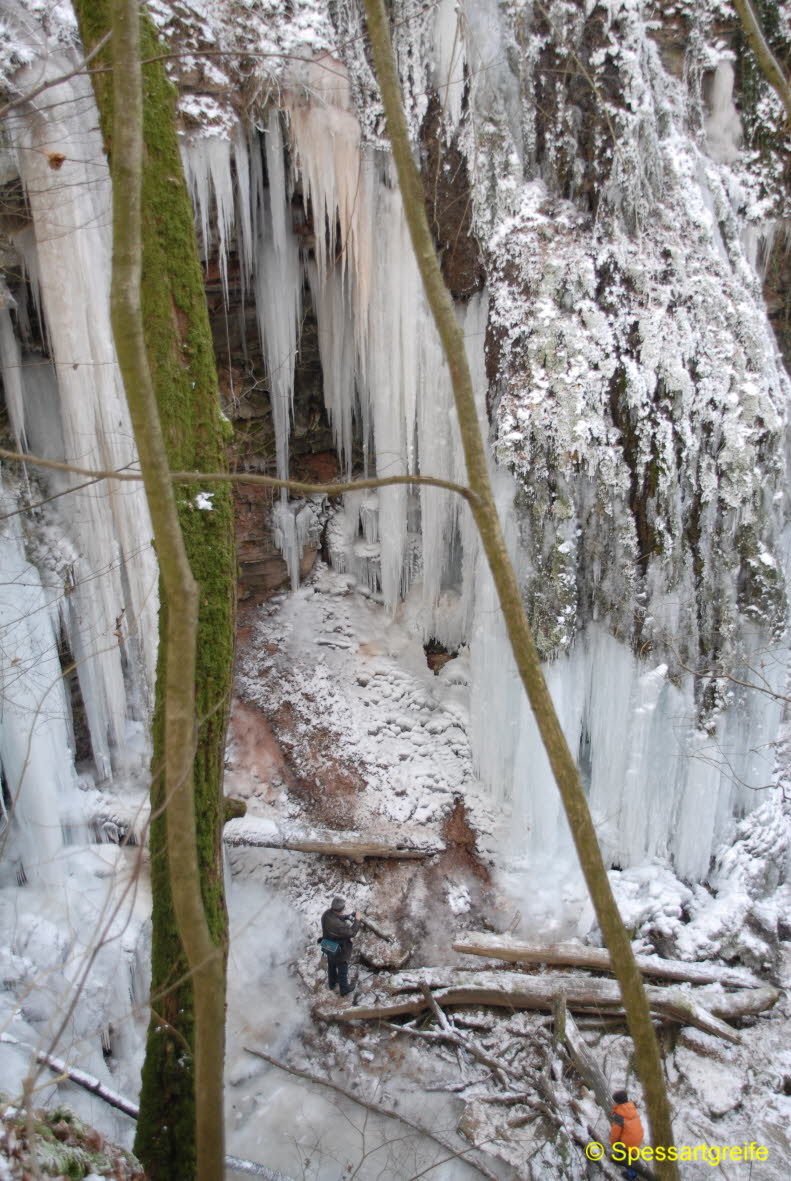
x: 484, y: 511
x: 186, y: 1035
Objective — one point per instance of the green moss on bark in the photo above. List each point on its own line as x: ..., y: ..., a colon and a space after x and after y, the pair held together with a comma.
x: 181, y: 357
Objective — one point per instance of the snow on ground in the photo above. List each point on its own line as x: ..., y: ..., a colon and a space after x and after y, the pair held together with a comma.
x: 328, y: 653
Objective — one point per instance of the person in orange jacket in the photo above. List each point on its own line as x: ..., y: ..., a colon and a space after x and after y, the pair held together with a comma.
x: 626, y: 1127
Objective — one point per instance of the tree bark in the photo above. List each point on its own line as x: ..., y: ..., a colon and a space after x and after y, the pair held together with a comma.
x: 484, y: 511
x: 164, y: 344
x: 598, y: 959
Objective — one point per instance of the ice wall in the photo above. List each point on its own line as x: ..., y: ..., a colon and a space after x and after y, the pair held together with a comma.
x: 87, y: 576
x: 638, y: 408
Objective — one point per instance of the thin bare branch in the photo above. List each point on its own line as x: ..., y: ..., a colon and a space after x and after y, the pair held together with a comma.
x: 378, y: 1108
x: 298, y: 487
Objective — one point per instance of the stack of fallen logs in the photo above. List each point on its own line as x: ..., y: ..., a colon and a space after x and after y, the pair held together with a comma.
x: 696, y: 995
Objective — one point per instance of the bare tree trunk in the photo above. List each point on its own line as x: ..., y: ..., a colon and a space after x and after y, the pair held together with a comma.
x: 485, y: 513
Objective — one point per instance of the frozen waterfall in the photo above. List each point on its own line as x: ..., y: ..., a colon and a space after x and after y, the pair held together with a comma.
x: 662, y: 782
x: 82, y: 576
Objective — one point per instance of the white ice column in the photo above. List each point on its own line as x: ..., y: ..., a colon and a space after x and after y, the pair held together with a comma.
x: 278, y: 293
x: 333, y: 307
x: 115, y: 573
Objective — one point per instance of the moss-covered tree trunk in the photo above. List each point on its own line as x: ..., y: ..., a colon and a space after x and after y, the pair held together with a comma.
x: 181, y: 359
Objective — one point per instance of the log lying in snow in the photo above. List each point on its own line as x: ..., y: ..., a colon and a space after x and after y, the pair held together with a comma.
x: 89, y: 1083
x: 586, y: 1065
x: 576, y: 955
x: 511, y: 990
x: 264, y: 834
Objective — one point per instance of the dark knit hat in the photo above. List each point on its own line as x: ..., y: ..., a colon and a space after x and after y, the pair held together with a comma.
x: 338, y: 904
x: 620, y: 1097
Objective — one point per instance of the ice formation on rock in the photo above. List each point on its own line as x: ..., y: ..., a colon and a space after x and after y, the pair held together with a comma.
x: 634, y: 402
x: 90, y: 596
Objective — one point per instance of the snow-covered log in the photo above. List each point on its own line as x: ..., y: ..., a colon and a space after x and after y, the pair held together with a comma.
x: 89, y: 1082
x: 264, y: 834
x: 517, y: 991
x: 577, y: 955
x: 586, y: 1065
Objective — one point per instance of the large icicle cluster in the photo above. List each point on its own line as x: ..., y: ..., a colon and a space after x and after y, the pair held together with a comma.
x: 84, y: 585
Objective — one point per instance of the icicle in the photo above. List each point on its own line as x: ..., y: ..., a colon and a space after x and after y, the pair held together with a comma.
x: 278, y: 294
x: 207, y: 169
x: 336, y: 348
x: 35, y: 751
x: 449, y: 60
x: 11, y: 369
x: 295, y: 525
x: 326, y: 135
x: 245, y: 236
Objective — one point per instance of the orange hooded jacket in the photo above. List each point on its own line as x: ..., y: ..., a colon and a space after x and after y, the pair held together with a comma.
x: 626, y: 1127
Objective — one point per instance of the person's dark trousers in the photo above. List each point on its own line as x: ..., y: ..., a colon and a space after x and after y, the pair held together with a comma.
x: 338, y: 973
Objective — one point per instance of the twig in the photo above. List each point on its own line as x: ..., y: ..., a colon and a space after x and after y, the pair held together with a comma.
x: 245, y: 478
x: 450, y: 1034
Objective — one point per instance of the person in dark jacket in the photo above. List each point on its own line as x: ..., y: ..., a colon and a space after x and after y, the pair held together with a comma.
x: 341, y: 928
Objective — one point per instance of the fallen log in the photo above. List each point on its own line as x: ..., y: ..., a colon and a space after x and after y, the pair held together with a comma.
x: 254, y: 832
x: 89, y: 1083
x: 586, y: 1065
x: 513, y: 990
x: 577, y: 955
x: 375, y: 930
